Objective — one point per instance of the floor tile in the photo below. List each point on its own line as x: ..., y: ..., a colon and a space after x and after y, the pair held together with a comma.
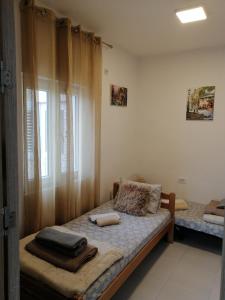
x: 175, y: 291
x: 215, y: 291
x: 175, y: 271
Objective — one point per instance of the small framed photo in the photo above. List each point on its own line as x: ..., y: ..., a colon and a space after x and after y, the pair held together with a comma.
x: 200, y: 103
x: 118, y: 95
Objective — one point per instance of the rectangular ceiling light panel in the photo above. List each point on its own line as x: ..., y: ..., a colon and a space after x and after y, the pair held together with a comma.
x: 191, y: 15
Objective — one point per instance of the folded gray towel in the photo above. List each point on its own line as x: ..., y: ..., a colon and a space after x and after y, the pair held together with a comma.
x: 68, y: 244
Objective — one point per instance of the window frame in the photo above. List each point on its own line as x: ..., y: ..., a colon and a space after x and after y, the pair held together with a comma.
x: 44, y: 86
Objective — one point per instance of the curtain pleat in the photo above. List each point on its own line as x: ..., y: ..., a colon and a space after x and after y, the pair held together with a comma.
x: 62, y: 104
x: 32, y: 188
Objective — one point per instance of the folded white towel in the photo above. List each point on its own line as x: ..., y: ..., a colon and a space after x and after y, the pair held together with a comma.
x: 105, y: 219
x: 218, y: 220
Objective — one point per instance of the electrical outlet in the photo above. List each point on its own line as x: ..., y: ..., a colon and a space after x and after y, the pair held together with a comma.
x: 182, y: 180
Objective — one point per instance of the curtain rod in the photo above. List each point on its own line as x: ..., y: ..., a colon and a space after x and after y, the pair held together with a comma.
x: 108, y: 45
x: 77, y: 27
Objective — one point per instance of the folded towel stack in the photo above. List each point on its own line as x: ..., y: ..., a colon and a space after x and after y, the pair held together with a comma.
x: 212, y: 208
x: 218, y: 220
x: 105, y: 219
x: 214, y: 213
x: 64, y: 243
x: 64, y: 250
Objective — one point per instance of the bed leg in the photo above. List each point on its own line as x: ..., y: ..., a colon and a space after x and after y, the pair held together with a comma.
x: 170, y: 234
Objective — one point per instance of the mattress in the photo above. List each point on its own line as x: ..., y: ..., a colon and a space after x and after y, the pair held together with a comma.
x: 130, y: 236
x: 192, y: 219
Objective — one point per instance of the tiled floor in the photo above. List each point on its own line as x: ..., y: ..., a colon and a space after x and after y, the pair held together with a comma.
x: 185, y: 270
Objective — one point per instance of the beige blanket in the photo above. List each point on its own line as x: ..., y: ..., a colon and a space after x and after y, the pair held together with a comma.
x: 67, y: 283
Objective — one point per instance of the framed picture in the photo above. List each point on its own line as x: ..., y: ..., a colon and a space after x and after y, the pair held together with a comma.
x: 200, y: 103
x: 118, y: 95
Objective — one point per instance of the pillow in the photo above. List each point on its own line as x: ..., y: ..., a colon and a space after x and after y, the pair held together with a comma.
x: 133, y: 198
x: 137, y: 178
x: 155, y: 198
x: 181, y: 204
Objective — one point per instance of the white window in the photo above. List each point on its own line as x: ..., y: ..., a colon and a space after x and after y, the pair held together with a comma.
x: 63, y: 133
x: 76, y: 132
x: 29, y: 117
x: 44, y: 129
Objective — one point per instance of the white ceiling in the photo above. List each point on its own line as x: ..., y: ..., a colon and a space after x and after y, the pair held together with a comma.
x: 147, y: 27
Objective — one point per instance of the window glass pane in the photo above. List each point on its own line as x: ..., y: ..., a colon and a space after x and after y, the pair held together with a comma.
x: 43, y: 127
x: 29, y: 117
x: 76, y: 132
x: 63, y: 133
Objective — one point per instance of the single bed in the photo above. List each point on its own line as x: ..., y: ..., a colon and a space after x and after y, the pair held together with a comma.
x: 192, y: 219
x: 135, y: 236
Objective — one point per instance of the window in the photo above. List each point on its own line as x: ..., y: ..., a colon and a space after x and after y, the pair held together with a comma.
x: 29, y: 117
x: 63, y: 133
x: 45, y: 117
x: 76, y: 132
x: 43, y: 131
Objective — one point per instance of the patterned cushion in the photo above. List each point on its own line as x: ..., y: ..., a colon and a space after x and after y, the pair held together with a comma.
x: 133, y: 198
x: 155, y: 198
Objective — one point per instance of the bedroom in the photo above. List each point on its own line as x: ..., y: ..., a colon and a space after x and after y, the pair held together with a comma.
x: 158, y: 60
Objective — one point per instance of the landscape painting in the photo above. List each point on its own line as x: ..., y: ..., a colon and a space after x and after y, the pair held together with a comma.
x: 118, y: 95
x: 200, y: 103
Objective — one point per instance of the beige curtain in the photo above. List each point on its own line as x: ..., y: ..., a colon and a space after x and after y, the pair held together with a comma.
x: 62, y: 101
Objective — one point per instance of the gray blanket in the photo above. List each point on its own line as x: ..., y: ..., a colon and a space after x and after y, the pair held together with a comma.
x: 68, y: 244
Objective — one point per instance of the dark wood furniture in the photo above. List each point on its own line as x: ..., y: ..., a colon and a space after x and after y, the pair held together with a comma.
x: 32, y: 289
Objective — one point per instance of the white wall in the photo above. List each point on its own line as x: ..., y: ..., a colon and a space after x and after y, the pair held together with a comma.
x: 118, y: 124
x: 170, y: 146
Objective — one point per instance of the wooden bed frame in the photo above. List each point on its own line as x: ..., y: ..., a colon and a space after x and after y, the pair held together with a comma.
x: 32, y: 289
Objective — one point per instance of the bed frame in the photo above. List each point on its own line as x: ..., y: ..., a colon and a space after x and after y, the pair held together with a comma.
x: 32, y: 289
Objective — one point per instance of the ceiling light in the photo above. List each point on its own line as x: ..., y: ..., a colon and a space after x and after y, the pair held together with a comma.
x: 191, y: 15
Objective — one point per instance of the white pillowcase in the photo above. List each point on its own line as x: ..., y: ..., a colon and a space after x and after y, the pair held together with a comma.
x: 155, y: 198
